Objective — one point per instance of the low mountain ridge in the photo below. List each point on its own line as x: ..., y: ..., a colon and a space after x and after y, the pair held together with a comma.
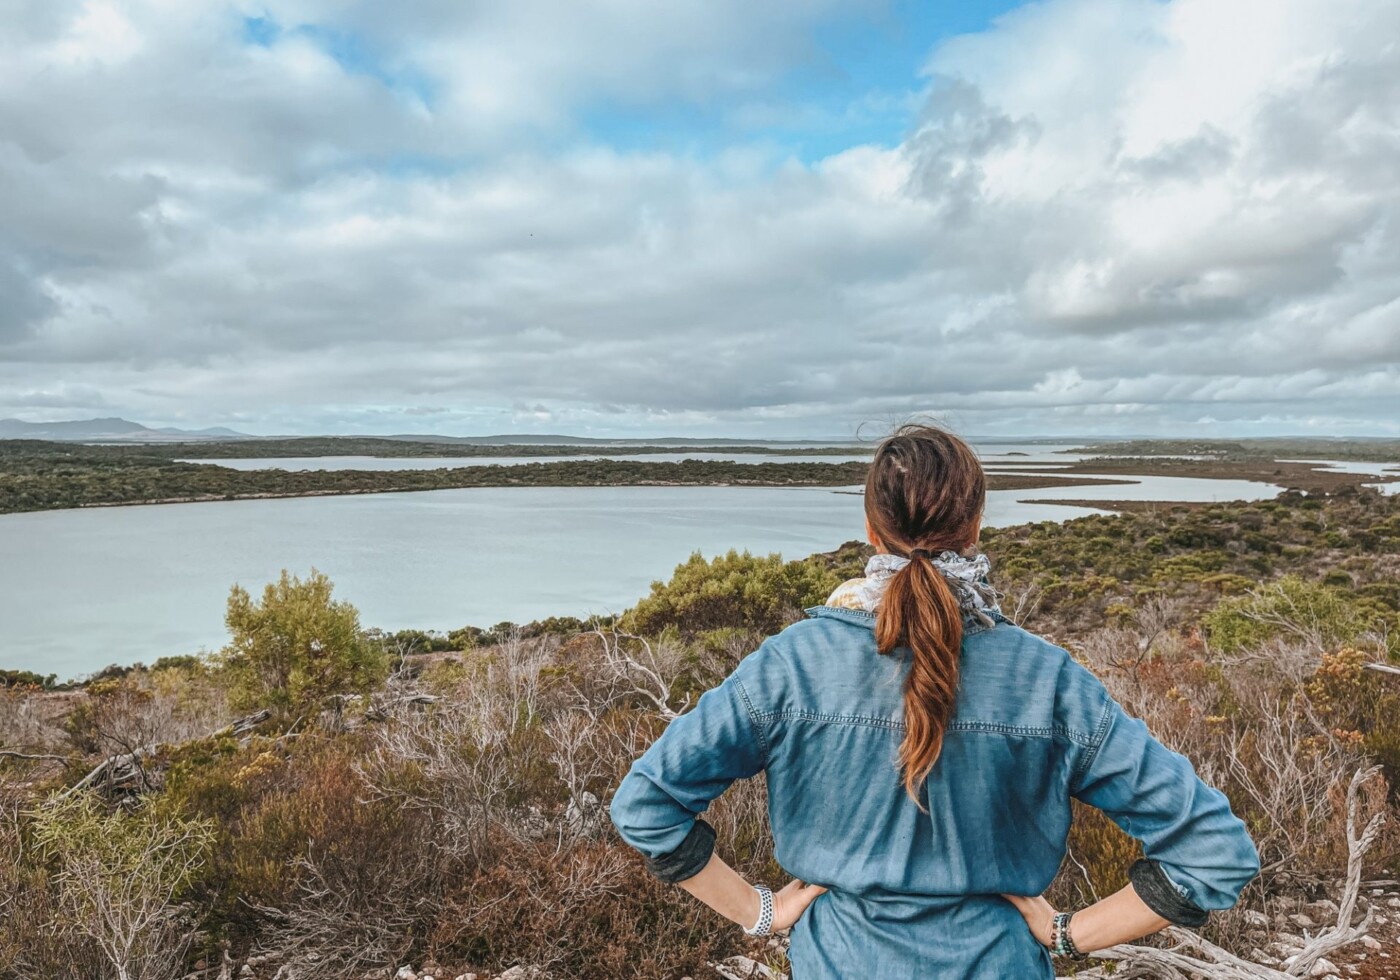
x: 108, y: 430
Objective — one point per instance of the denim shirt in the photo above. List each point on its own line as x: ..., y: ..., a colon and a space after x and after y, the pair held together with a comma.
x: 917, y: 894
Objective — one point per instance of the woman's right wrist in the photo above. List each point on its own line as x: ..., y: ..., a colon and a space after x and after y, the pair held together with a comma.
x: 761, y: 922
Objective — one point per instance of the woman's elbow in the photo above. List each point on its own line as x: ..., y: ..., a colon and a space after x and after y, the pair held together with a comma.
x: 674, y: 844
x: 1250, y: 865
x: 645, y: 815
x: 1233, y: 876
x: 624, y: 810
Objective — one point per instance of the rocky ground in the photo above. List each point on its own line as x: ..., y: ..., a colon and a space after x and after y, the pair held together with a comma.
x: 1375, y: 956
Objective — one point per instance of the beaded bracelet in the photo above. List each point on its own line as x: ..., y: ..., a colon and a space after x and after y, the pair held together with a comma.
x: 1060, y: 941
x: 764, y: 925
x: 1061, y: 944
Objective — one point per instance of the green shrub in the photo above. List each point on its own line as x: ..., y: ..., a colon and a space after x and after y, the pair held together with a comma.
x: 1317, y: 614
x: 296, y: 647
x: 759, y: 592
x: 27, y: 678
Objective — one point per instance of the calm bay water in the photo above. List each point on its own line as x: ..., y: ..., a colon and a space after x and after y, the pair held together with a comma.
x: 80, y: 589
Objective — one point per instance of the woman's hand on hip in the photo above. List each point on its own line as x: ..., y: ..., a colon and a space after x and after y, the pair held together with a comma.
x: 791, y: 901
x: 1038, y: 914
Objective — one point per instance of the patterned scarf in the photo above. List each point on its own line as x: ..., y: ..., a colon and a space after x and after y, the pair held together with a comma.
x: 967, y: 577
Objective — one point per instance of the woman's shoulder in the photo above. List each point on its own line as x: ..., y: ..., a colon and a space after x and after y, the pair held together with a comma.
x: 827, y: 656
x: 832, y: 638
x: 1010, y: 670
x: 1030, y: 649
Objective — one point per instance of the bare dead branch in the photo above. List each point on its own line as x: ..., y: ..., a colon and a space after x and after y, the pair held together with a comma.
x: 38, y: 757
x: 649, y: 672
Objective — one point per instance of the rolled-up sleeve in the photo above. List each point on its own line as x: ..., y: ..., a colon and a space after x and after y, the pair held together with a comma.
x: 656, y: 806
x: 1197, y: 855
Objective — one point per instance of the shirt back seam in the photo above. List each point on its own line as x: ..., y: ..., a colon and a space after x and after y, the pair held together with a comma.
x: 1100, y: 732
x: 865, y: 721
x: 754, y: 719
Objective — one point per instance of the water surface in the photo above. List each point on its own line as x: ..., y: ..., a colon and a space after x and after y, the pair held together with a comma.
x: 80, y: 589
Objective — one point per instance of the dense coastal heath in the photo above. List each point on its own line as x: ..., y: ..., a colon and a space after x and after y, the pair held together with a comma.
x: 1374, y: 450
x: 323, y: 800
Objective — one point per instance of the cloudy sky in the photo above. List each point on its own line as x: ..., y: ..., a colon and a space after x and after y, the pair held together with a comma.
x: 703, y: 217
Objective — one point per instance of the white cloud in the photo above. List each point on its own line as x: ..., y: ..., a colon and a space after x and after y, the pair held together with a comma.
x: 1116, y: 215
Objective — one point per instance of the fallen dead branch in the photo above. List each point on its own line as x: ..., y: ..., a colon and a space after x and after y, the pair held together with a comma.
x: 128, y: 769
x: 37, y: 757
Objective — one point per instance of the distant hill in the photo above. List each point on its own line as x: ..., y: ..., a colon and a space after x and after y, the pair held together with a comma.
x: 108, y: 430
x: 124, y: 430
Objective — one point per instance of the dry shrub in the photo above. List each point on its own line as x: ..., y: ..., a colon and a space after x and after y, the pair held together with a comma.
x: 14, y: 886
x: 142, y: 709
x: 509, y: 769
x: 311, y: 828
x: 36, y: 938
x: 1360, y: 704
x: 477, y: 761
x: 354, y: 911
x: 304, y: 855
x: 740, y: 819
x: 592, y: 910
x: 1376, y: 796
x: 1290, y: 750
x: 1276, y: 726
x: 24, y: 726
x: 662, y: 675
x: 103, y: 891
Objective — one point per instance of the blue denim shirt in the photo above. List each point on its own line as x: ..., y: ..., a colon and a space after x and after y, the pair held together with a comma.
x: 917, y: 894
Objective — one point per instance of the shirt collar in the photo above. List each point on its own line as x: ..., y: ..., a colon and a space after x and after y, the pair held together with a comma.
x: 862, y: 618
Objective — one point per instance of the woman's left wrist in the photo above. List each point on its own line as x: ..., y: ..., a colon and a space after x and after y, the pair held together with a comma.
x: 1061, y: 936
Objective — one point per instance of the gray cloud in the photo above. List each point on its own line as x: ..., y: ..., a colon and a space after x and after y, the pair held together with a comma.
x: 1102, y: 220
x: 23, y: 301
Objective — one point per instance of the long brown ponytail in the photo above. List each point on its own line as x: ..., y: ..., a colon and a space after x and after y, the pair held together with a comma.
x: 924, y: 494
